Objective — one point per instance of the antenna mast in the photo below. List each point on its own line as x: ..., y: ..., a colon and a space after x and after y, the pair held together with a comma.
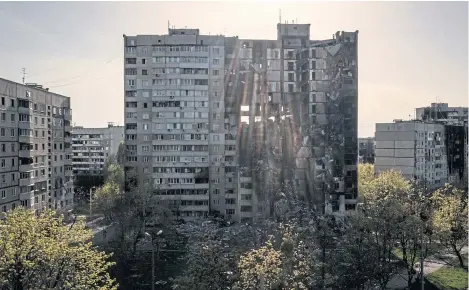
x: 23, y: 71
x: 280, y: 16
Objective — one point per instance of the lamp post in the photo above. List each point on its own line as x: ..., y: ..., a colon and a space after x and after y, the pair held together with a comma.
x: 152, y: 258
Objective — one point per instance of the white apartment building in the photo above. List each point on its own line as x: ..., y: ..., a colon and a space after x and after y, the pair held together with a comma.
x: 35, y: 148
x: 93, y: 146
x: 417, y: 149
x: 174, y: 115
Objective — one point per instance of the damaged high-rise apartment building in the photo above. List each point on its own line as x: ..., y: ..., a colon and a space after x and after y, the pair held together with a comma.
x: 229, y: 126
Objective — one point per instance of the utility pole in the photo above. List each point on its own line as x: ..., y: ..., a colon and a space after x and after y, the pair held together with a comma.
x: 23, y: 71
x: 91, y: 192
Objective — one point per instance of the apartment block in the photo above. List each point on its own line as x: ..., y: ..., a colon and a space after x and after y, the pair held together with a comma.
x: 92, y: 147
x: 35, y: 148
x: 428, y: 152
x: 441, y: 112
x: 221, y: 125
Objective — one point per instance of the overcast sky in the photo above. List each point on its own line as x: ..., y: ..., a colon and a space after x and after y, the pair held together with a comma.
x: 410, y: 53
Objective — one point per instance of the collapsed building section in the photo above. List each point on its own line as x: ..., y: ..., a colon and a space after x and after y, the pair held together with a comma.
x: 299, y: 119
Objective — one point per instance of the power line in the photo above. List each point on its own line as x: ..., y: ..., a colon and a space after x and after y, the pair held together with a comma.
x: 85, y: 74
x: 73, y: 83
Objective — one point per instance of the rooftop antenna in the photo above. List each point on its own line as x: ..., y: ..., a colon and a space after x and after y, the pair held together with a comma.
x: 169, y: 26
x: 23, y: 71
x: 280, y: 16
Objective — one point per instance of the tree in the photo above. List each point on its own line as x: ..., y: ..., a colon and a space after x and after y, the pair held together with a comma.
x: 355, y: 262
x: 120, y: 156
x: 105, y: 199
x: 391, y: 221
x: 115, y: 173
x: 40, y: 252
x: 260, y: 268
x: 286, y: 262
x: 366, y: 174
x: 450, y: 220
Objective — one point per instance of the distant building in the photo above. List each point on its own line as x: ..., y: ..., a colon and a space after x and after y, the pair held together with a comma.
x: 366, y: 150
x: 92, y: 147
x: 35, y: 155
x: 430, y: 153
x: 441, y: 112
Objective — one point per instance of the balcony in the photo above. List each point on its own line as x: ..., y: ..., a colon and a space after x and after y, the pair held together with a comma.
x: 68, y: 117
x: 26, y: 167
x: 27, y: 195
x: 26, y: 182
x: 25, y: 139
x: 25, y: 153
x: 24, y: 110
x: 68, y: 139
x: 25, y: 125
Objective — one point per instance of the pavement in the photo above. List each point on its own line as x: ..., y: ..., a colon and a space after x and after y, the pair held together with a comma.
x: 430, y: 265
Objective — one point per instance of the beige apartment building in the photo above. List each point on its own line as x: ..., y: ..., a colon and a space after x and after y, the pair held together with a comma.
x: 35, y: 148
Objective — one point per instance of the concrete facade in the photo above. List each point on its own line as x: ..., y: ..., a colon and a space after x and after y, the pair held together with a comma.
x: 419, y: 150
x: 35, y: 143
x: 217, y: 123
x: 93, y: 146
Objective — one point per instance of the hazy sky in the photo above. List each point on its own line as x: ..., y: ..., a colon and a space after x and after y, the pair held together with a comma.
x: 410, y: 53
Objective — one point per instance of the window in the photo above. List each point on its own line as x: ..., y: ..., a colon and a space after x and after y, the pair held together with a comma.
x: 4, y: 194
x: 144, y: 72
x: 216, y: 72
x: 131, y: 82
x: 145, y: 83
x: 216, y: 50
x: 216, y: 61
x: 144, y: 61
x: 12, y: 117
x: 291, y: 77
x: 290, y: 88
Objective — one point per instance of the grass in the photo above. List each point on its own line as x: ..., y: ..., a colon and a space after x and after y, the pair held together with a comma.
x: 432, y: 250
x: 448, y: 278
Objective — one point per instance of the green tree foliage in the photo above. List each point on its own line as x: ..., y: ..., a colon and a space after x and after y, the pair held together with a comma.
x: 450, y: 220
x: 366, y: 174
x: 393, y: 208
x: 289, y: 265
x: 105, y: 199
x: 40, y: 252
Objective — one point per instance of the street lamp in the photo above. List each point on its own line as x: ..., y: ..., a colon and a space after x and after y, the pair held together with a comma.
x: 152, y: 257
